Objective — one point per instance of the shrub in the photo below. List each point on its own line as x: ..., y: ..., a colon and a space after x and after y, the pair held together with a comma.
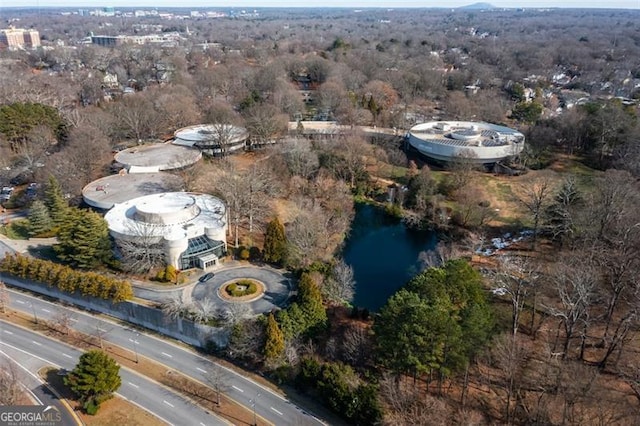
x: 241, y: 288
x: 255, y: 253
x: 66, y: 279
x: 245, y: 254
x: 91, y: 408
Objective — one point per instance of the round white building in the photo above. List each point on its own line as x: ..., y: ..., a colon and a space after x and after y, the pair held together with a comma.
x: 190, y: 227
x: 479, y: 142
x: 212, y: 139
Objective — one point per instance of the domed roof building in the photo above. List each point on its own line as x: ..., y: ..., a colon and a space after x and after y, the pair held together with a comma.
x: 481, y: 143
x: 190, y: 227
x: 212, y: 139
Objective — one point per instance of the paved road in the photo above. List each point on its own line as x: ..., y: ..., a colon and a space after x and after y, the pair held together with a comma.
x: 269, y: 405
x: 27, y: 372
x: 276, y: 294
x: 165, y: 404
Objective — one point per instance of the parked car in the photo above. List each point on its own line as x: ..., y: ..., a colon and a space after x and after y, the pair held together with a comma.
x: 206, y: 277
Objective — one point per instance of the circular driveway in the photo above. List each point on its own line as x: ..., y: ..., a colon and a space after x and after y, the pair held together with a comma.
x: 277, y: 286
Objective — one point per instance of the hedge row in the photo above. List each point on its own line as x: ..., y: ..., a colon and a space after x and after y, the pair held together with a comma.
x: 67, y: 279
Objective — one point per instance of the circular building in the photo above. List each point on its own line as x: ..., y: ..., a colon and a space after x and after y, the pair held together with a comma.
x: 212, y: 139
x: 157, y: 157
x: 481, y: 143
x: 191, y: 228
x: 105, y: 192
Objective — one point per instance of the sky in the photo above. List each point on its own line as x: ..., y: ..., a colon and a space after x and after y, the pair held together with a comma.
x: 213, y: 4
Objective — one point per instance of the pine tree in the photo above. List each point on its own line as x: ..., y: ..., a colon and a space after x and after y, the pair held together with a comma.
x: 275, y: 242
x: 84, y: 240
x: 39, y: 220
x: 310, y: 302
x: 55, y: 202
x: 95, y: 378
x: 274, y: 344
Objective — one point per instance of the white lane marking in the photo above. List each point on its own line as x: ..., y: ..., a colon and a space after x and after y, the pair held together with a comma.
x: 134, y: 385
x: 201, y: 370
x: 278, y: 412
x: 168, y: 403
x: 73, y: 320
x: 8, y: 332
x: 202, y: 424
x: 237, y: 388
x: 67, y: 355
x: 36, y: 343
x: 102, y: 329
x: 166, y: 354
x: 46, y: 310
x: 22, y: 302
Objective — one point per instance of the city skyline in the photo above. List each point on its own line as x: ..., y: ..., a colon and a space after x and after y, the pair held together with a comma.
x: 615, y: 4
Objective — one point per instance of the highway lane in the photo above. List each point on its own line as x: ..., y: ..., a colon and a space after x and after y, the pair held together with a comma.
x: 27, y: 371
x: 162, y: 402
x: 268, y: 404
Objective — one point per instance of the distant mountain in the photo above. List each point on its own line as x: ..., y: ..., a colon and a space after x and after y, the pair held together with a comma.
x: 477, y: 6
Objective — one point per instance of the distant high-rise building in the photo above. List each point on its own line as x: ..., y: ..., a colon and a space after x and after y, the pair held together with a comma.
x: 19, y: 37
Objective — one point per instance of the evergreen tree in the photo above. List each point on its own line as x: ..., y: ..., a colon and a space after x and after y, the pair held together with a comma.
x: 84, y: 240
x: 39, y: 220
x: 18, y: 119
x: 275, y: 242
x: 310, y: 302
x: 55, y: 202
x: 437, y: 322
x: 274, y: 344
x: 95, y: 378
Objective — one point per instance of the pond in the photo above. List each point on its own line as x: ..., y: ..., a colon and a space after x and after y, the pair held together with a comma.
x: 383, y: 253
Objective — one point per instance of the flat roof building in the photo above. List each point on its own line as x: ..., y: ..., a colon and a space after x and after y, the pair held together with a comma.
x: 19, y: 37
x: 479, y: 142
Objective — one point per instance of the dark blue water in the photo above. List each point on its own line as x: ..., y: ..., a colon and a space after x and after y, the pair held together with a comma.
x: 383, y: 254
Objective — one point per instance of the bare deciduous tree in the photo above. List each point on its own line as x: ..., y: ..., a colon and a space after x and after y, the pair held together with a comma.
x: 217, y: 378
x: 340, y: 286
x: 5, y: 299
x: 575, y: 282
x: 535, y: 197
x: 10, y: 390
x: 62, y: 321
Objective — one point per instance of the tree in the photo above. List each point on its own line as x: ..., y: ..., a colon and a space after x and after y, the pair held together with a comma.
x: 265, y: 124
x: 4, y: 297
x: 575, y: 282
x: 527, y: 112
x: 310, y: 302
x: 275, y: 242
x: 145, y: 252
x: 18, y: 119
x: 436, y: 323
x: 55, y: 201
x: 10, y: 387
x: 274, y: 341
x: 535, y: 199
x: 222, y: 120
x: 83, y: 240
x: 217, y: 378
x: 560, y: 215
x: 40, y: 222
x: 340, y: 286
x: 94, y: 379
